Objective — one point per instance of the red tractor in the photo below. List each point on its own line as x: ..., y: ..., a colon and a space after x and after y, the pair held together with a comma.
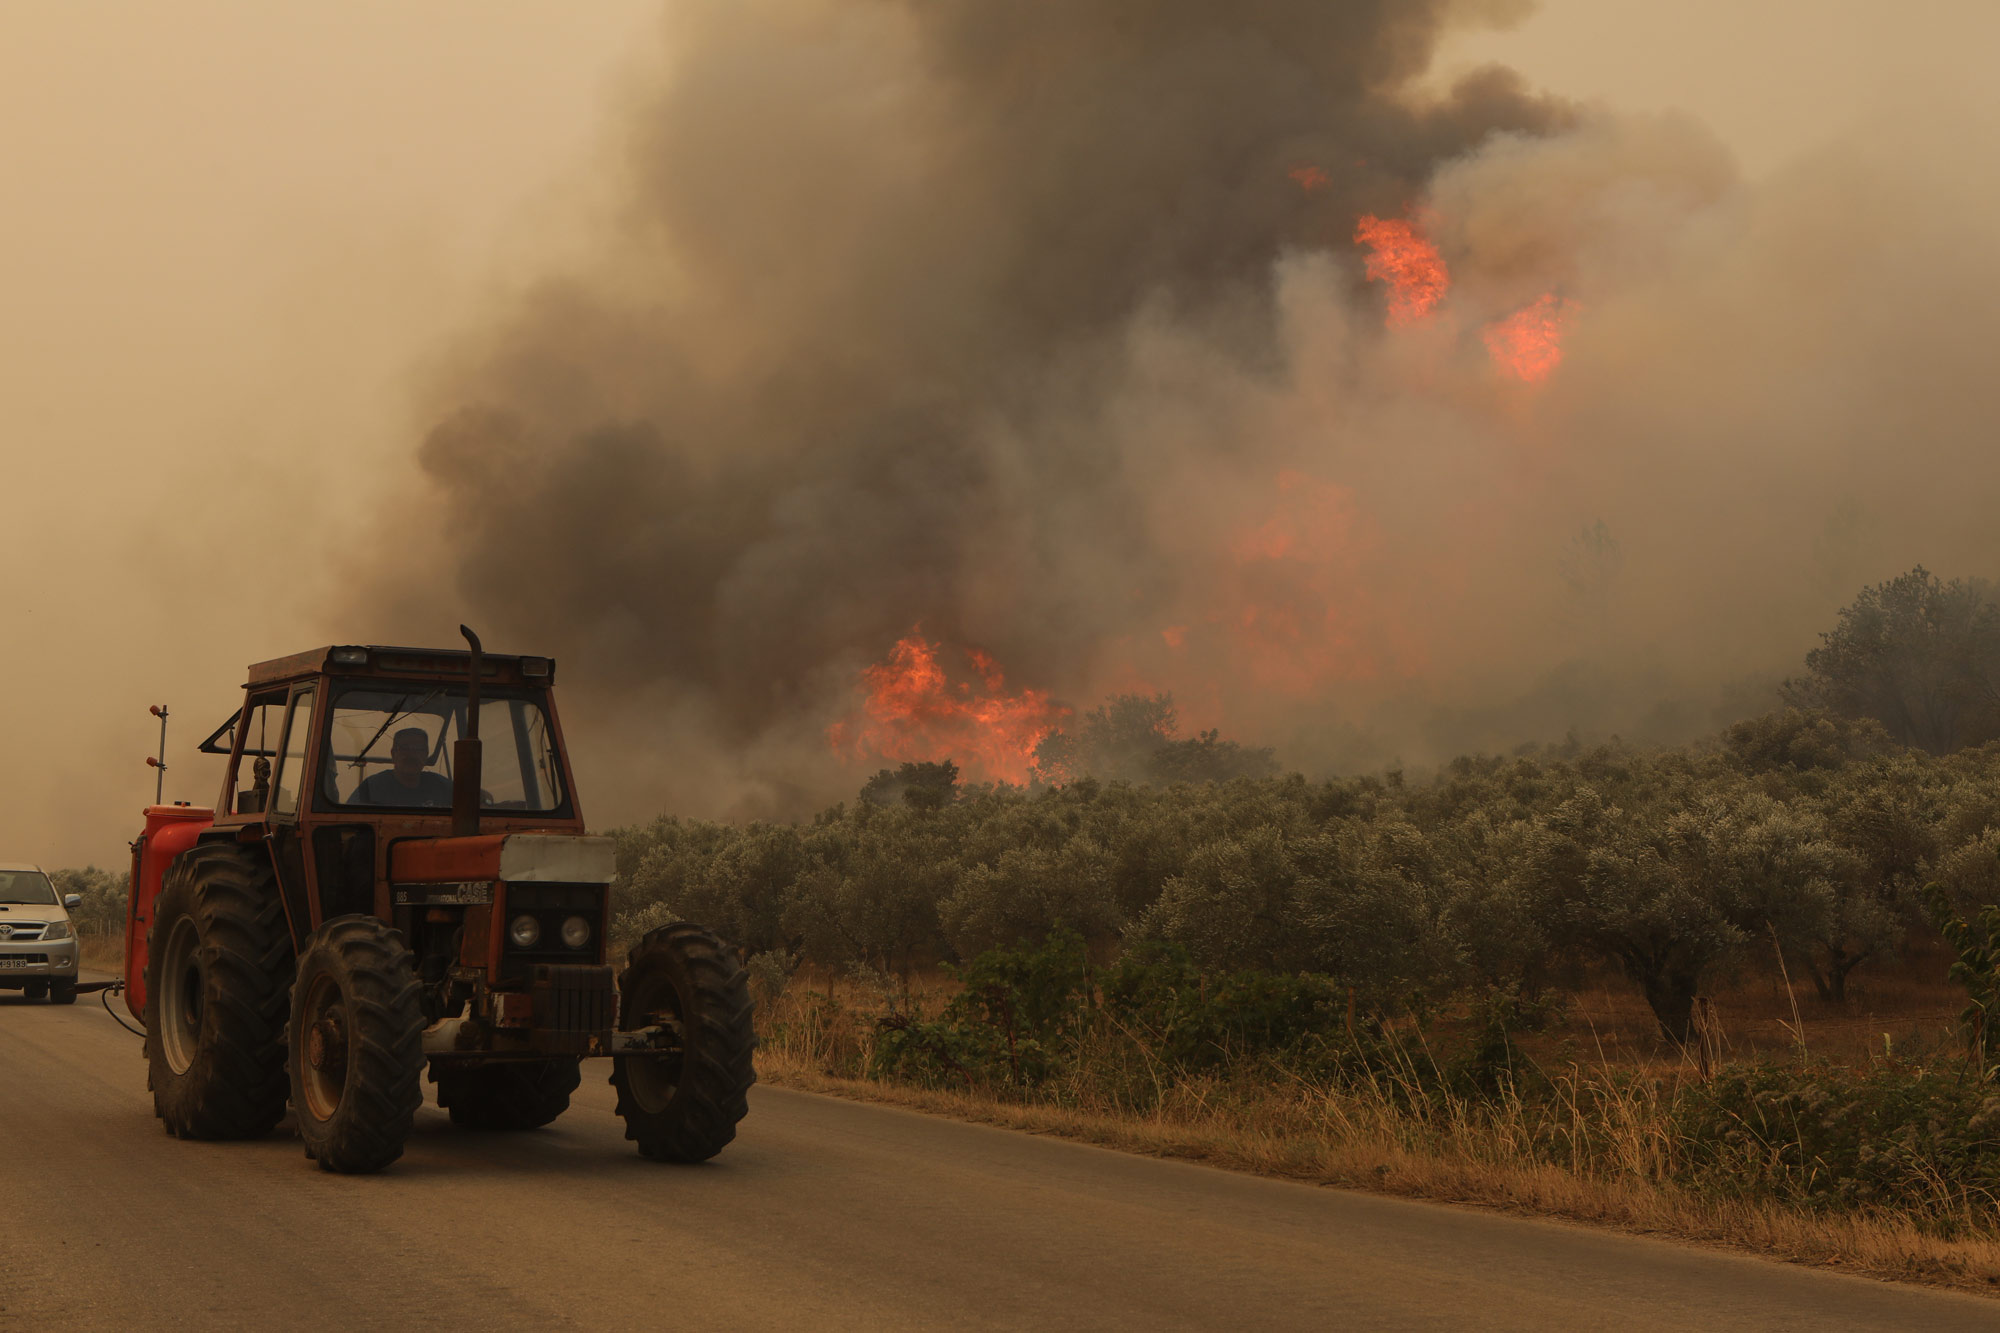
x: 373, y: 894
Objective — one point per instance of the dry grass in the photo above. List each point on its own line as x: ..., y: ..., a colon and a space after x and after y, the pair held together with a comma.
x: 1362, y: 1152
x: 1486, y: 1154
x: 104, y: 953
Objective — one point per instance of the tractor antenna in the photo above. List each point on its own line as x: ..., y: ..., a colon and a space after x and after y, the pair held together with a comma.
x: 159, y: 761
x: 465, y: 794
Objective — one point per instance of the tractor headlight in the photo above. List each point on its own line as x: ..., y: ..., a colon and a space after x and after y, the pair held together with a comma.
x: 576, y: 932
x: 59, y: 930
x: 524, y: 931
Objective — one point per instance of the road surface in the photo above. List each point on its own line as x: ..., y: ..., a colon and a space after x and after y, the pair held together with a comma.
x: 824, y: 1214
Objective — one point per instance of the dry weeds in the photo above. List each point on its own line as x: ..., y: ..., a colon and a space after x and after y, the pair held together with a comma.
x: 1490, y: 1156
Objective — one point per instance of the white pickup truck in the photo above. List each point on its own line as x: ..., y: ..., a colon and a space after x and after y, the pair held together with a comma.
x: 37, y: 942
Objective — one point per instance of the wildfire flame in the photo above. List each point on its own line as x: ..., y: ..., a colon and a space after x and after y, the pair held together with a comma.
x: 1404, y: 258
x: 1528, y: 343
x: 913, y: 709
x: 1310, y: 178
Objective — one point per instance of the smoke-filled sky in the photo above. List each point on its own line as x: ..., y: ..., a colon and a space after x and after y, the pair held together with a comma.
x: 715, y: 348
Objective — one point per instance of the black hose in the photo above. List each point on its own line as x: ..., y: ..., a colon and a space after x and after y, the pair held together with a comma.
x: 104, y: 998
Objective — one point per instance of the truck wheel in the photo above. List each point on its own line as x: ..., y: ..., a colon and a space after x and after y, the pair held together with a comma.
x: 357, y: 1045
x: 35, y: 990
x: 218, y: 957
x: 512, y: 1094
x: 683, y: 1104
x: 62, y: 992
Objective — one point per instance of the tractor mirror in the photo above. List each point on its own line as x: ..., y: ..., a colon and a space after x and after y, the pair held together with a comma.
x: 72, y: 901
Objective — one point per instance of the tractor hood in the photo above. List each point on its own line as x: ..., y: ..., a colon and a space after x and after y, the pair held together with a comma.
x: 517, y: 858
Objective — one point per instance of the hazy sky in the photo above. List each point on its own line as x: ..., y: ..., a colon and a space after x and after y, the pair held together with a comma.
x: 235, y: 236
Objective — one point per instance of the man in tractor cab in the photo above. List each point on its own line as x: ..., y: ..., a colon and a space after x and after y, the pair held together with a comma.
x: 408, y: 780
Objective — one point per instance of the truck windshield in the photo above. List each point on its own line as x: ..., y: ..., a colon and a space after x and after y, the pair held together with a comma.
x: 391, y: 745
x: 26, y: 886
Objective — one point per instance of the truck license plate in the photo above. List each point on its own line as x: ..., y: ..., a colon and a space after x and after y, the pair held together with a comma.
x: 16, y: 961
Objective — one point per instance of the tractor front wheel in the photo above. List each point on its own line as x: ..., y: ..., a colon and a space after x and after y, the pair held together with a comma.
x: 683, y: 1104
x: 512, y: 1094
x: 218, y: 956
x: 357, y: 1045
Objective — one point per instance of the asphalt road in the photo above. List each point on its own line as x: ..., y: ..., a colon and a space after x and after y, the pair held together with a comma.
x: 824, y: 1215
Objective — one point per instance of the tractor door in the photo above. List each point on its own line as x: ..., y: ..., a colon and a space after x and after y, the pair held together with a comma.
x: 289, y: 781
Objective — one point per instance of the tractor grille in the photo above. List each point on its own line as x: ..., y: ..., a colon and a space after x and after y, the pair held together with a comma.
x: 572, y: 1004
x: 551, y: 905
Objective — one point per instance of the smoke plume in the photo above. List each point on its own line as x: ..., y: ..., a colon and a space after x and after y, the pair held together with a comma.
x: 1077, y: 345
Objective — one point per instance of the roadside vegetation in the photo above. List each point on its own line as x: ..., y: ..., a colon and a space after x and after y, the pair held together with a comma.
x: 1737, y: 989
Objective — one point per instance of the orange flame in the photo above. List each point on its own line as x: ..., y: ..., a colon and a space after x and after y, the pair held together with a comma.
x: 913, y: 710
x: 1310, y: 178
x: 1403, y: 257
x: 1528, y: 343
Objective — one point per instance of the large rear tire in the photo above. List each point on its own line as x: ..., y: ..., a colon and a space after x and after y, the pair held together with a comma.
x: 506, y: 1095
x: 684, y: 1104
x: 357, y: 1045
x: 218, y: 958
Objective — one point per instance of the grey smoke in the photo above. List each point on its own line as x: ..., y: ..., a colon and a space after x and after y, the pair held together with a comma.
x: 1004, y: 320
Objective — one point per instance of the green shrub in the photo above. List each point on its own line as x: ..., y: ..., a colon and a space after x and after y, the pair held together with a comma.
x: 1021, y: 1011
x: 1895, y: 1134
x: 1157, y: 995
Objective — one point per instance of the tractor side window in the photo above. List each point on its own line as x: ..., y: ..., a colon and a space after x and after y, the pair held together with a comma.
x: 291, y: 765
x: 252, y: 776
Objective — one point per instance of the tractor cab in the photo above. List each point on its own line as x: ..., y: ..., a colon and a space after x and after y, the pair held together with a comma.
x: 341, y: 758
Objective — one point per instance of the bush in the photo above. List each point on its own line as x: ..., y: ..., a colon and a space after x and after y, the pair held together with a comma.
x: 1020, y: 1013
x: 1895, y: 1134
x: 1157, y: 996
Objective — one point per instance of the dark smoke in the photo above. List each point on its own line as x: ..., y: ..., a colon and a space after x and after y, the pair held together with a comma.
x: 1013, y: 321
x: 876, y: 263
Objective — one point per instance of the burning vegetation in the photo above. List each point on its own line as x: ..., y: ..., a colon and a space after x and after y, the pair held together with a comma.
x: 913, y: 709
x: 1213, y: 353
x: 1403, y: 258
x: 1528, y: 343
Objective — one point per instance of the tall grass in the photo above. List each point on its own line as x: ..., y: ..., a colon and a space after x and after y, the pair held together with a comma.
x: 1763, y: 1154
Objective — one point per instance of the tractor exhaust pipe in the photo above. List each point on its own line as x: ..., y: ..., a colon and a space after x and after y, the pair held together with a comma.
x: 465, y: 751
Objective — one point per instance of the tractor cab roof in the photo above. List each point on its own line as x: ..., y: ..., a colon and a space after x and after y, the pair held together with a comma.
x: 392, y: 663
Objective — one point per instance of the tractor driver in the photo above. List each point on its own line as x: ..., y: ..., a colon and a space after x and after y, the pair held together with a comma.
x: 407, y: 781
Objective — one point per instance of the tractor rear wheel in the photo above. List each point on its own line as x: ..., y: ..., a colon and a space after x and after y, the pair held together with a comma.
x: 62, y: 992
x: 512, y: 1094
x: 357, y: 1045
x: 218, y: 957
x: 683, y: 1104
x: 35, y: 990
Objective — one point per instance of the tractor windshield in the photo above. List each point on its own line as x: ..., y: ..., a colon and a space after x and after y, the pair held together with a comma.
x: 26, y: 887
x: 391, y: 746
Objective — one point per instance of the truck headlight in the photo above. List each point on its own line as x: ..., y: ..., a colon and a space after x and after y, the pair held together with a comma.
x: 524, y: 931
x: 576, y: 932
x: 58, y: 930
